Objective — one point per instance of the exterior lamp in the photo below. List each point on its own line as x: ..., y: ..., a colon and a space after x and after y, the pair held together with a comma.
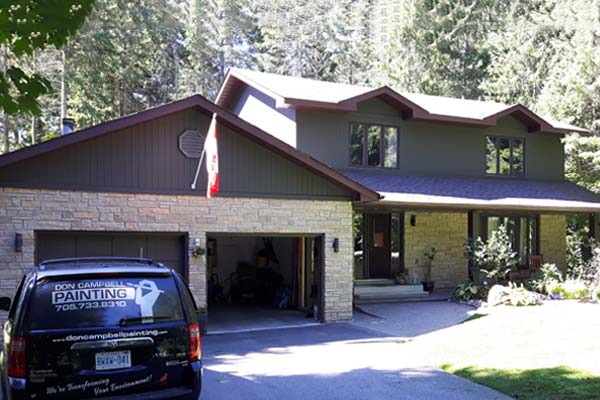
x: 18, y: 242
x: 336, y: 245
x: 413, y: 220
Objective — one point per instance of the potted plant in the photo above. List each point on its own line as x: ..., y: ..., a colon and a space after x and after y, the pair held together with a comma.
x: 428, y: 284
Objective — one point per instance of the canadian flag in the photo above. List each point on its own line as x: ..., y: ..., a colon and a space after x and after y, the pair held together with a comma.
x: 212, y: 159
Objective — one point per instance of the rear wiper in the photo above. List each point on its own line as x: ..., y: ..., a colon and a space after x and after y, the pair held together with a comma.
x: 143, y: 320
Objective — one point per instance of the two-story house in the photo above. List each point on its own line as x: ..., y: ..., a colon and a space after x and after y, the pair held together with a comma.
x: 320, y: 184
x: 446, y: 169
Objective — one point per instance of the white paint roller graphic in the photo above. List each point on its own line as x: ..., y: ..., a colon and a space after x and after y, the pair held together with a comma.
x: 146, y: 300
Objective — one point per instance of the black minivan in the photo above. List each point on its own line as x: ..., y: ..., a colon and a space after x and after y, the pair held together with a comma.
x: 101, y: 327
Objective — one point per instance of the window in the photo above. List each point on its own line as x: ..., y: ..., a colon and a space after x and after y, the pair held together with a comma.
x: 504, y: 156
x: 373, y: 145
x: 102, y: 302
x: 523, y: 231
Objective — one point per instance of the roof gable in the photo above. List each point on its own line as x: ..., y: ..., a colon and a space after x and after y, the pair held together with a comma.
x: 203, y: 106
x: 301, y: 93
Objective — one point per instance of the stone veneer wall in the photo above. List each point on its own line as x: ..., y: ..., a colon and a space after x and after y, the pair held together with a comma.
x: 447, y: 232
x: 553, y: 245
x: 25, y: 210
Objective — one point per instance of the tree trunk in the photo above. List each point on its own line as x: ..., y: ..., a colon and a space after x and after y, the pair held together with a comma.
x: 63, y: 90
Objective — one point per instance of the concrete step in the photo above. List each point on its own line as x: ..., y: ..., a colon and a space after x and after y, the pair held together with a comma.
x: 374, y: 282
x: 396, y: 290
x: 394, y: 300
x: 389, y: 294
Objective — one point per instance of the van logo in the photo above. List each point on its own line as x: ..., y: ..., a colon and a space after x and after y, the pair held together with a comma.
x: 146, y: 294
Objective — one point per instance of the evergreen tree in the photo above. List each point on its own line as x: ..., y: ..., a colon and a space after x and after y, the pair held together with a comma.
x: 221, y: 34
x: 123, y: 60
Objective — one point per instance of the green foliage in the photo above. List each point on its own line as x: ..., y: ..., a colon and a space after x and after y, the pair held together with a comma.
x: 568, y: 289
x: 495, y: 257
x: 514, y: 295
x: 469, y: 291
x: 548, y: 276
x: 123, y: 60
x: 133, y: 55
x: 582, y: 161
x: 534, y: 384
x: 28, y: 25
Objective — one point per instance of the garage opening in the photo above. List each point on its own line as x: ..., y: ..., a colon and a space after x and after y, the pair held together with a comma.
x: 167, y: 248
x: 263, y: 282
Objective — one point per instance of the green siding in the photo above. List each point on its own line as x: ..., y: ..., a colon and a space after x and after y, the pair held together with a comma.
x: 146, y: 159
x: 427, y: 148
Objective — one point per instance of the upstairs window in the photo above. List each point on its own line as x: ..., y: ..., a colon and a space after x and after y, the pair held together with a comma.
x: 373, y: 145
x: 504, y: 156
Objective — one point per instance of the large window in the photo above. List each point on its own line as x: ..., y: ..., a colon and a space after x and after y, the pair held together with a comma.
x: 504, y: 156
x: 523, y: 230
x: 373, y: 145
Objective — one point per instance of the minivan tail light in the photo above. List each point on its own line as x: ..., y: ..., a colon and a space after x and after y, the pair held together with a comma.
x: 195, y: 342
x: 16, y: 357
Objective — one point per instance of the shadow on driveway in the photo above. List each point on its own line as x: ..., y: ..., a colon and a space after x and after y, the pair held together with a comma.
x: 411, y: 319
x: 337, y: 361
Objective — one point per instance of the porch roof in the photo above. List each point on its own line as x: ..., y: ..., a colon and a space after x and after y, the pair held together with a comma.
x: 478, y: 193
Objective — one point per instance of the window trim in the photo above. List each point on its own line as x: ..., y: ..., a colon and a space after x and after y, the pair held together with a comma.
x: 510, y: 141
x: 365, y: 147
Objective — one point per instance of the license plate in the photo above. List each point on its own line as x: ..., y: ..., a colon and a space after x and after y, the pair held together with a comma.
x: 113, y: 360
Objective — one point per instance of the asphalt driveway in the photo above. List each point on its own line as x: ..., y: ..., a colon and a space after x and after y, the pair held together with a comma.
x: 338, y: 361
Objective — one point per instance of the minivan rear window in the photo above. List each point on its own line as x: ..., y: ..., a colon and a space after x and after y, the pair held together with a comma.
x: 104, y: 302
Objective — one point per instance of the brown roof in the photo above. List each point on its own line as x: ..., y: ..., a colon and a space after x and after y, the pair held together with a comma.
x: 360, y: 193
x: 295, y: 92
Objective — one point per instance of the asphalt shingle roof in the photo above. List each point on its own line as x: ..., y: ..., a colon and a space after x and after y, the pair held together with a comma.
x: 503, y: 193
x: 298, y: 88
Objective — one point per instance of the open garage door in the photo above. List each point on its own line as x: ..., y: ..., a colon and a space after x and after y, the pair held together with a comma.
x: 167, y: 248
x: 263, y: 282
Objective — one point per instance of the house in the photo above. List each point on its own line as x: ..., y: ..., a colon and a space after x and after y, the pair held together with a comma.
x: 123, y: 188
x: 446, y: 169
x: 321, y: 184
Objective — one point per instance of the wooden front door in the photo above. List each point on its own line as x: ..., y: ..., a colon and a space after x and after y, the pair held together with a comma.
x: 379, y: 246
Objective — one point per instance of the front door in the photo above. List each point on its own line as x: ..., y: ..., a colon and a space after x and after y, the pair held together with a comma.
x: 379, y: 246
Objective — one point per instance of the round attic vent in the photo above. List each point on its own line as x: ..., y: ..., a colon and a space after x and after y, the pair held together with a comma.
x: 191, y: 143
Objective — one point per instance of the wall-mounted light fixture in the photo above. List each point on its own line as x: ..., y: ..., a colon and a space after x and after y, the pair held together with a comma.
x: 413, y: 220
x: 336, y: 245
x: 18, y: 242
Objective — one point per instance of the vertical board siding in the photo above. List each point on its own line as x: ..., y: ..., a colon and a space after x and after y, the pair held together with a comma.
x: 146, y: 158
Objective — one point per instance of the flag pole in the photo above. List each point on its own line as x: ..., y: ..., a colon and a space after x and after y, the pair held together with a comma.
x: 198, y: 169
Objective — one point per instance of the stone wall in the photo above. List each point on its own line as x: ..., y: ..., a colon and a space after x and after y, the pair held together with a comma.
x: 447, y: 232
x: 25, y: 211
x: 553, y: 246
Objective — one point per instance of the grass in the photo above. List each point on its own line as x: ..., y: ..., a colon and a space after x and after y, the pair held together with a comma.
x: 474, y: 317
x: 548, y: 352
x: 562, y: 382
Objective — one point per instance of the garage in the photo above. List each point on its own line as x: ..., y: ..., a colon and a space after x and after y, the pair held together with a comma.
x: 258, y: 282
x: 123, y: 188
x: 167, y: 248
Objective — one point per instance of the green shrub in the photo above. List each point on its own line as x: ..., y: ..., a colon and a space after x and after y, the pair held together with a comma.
x: 495, y: 257
x: 548, y: 276
x: 520, y: 296
x: 569, y: 289
x: 497, y: 295
x: 513, y: 294
x: 469, y: 291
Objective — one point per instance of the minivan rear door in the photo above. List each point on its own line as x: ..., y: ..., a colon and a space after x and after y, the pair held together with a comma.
x: 106, y: 336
